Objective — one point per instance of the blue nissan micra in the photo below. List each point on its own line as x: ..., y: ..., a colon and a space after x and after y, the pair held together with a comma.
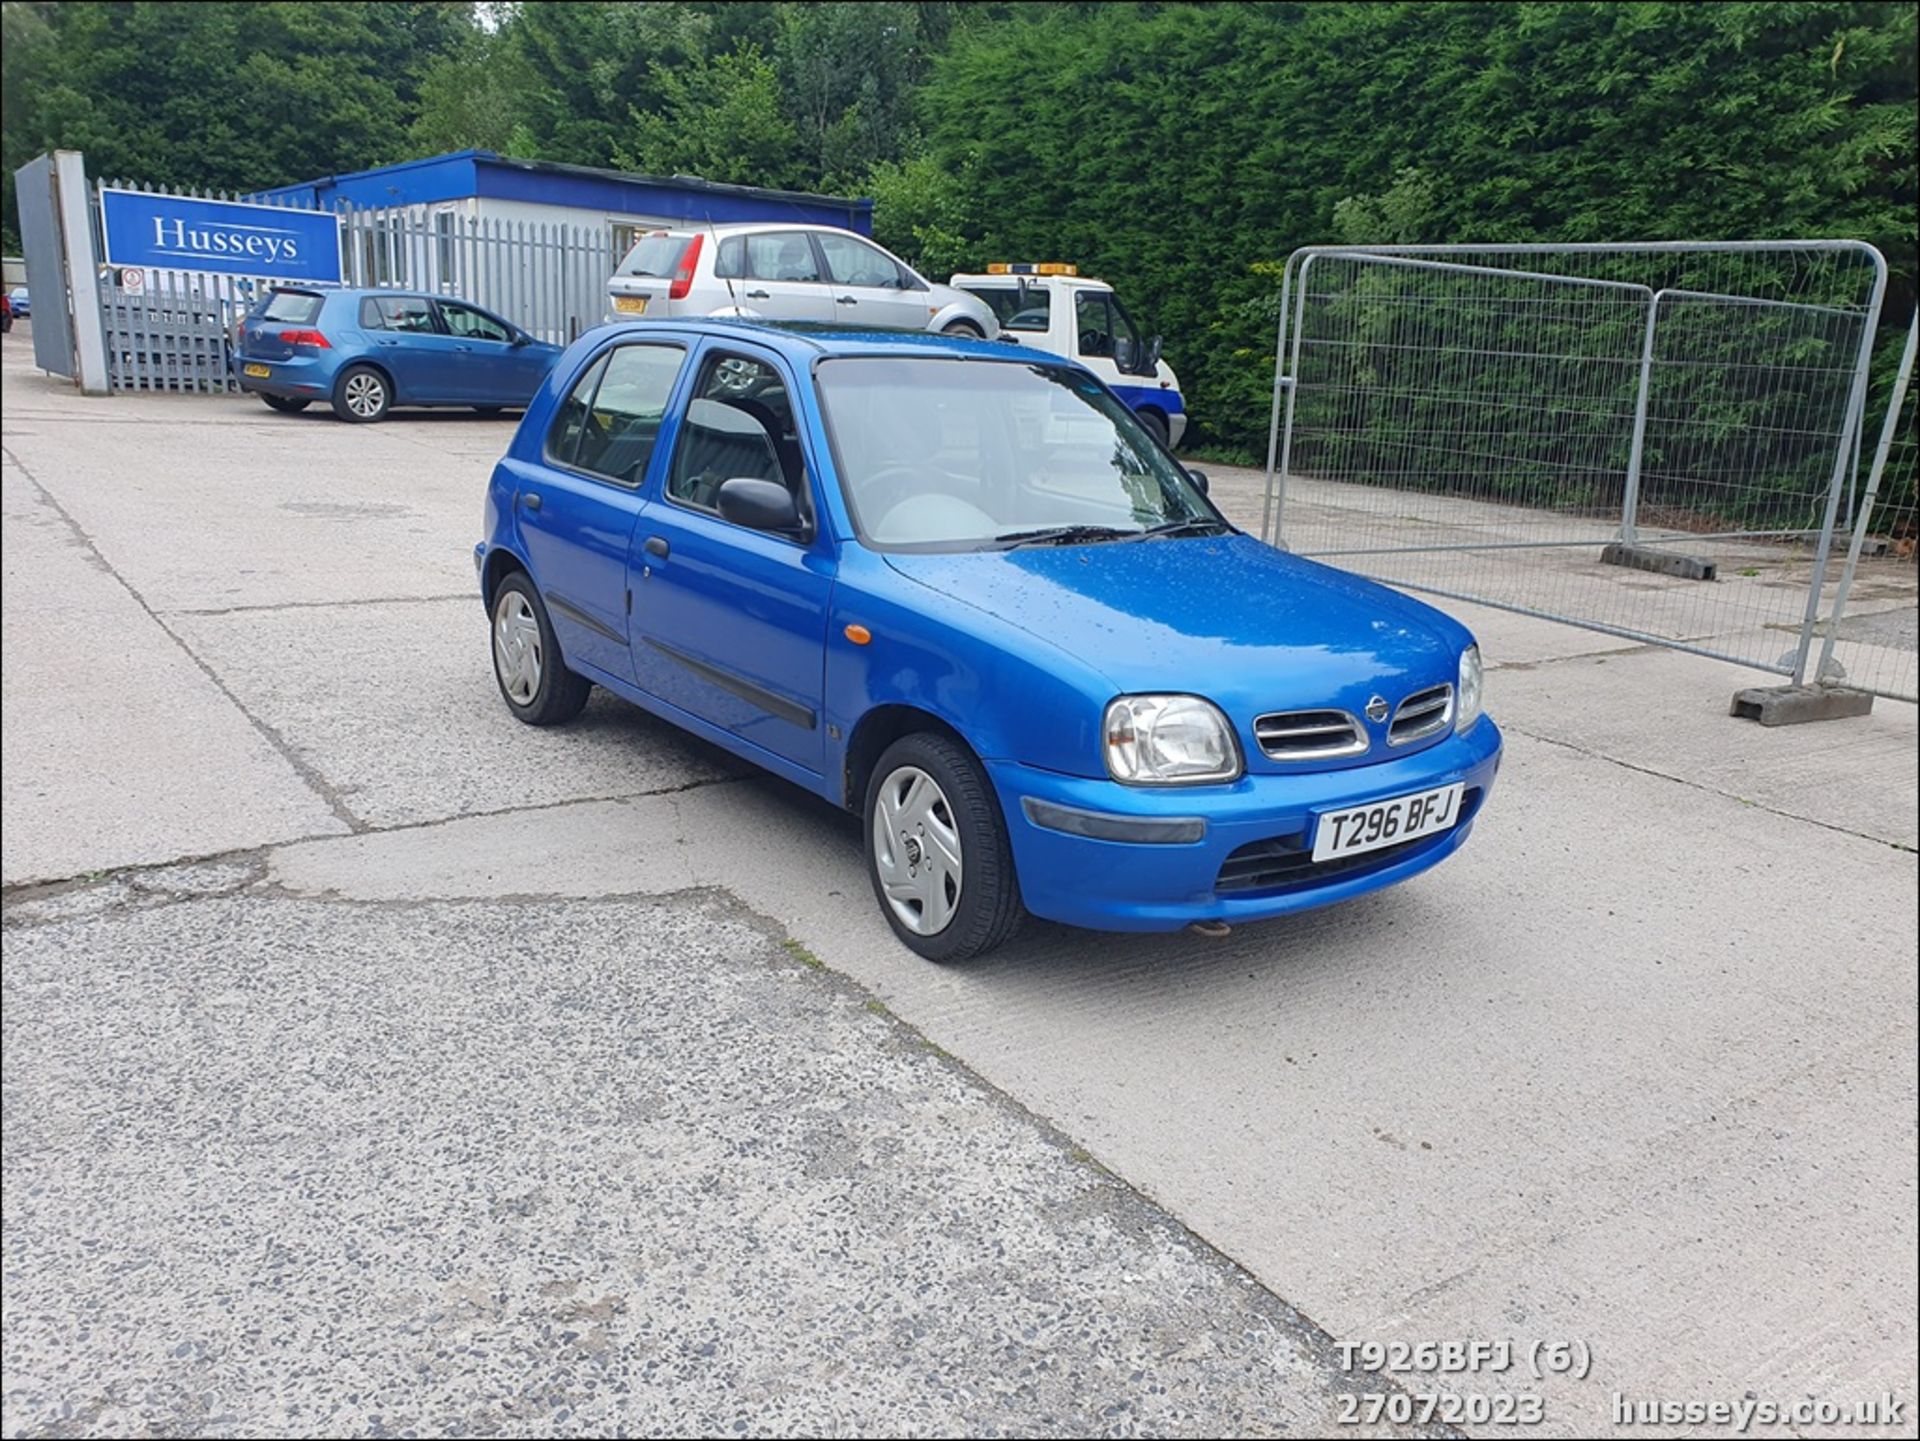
x: 955, y: 587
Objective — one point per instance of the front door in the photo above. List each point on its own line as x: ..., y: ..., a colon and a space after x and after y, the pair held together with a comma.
x: 577, y: 510
x: 489, y: 368
x: 730, y: 624
x: 869, y: 287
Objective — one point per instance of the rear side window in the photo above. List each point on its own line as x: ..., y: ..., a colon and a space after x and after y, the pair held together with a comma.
x: 656, y: 253
x: 297, y: 307
x: 407, y: 313
x: 782, y: 255
x: 611, y: 421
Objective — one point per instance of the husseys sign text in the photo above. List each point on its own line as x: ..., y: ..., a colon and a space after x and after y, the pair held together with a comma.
x: 219, y: 237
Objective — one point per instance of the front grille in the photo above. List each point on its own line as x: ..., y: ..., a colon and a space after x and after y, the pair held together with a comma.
x: 1424, y: 713
x: 1309, y: 735
x: 1285, y: 862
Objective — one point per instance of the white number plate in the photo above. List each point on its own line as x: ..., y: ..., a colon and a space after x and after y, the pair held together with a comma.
x: 1386, y: 823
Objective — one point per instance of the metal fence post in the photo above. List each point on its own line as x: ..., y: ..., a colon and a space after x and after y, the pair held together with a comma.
x: 1630, y: 501
x: 1887, y: 431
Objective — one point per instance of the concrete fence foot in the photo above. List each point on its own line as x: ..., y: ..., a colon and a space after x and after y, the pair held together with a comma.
x: 1660, y: 562
x: 1792, y: 705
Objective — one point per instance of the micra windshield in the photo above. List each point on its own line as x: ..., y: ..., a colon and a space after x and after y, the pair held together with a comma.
x: 945, y: 453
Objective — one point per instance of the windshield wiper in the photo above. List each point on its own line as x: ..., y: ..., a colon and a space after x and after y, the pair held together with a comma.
x: 1063, y: 535
x: 1195, y: 524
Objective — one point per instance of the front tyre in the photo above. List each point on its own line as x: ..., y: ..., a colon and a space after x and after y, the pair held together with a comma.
x: 532, y: 674
x: 966, y: 329
x: 362, y: 395
x: 937, y: 850
x: 1156, y: 425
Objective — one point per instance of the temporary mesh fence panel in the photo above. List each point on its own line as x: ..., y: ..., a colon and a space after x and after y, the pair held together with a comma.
x: 1488, y: 423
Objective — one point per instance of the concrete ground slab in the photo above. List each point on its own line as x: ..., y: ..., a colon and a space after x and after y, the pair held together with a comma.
x: 118, y: 748
x: 628, y: 1170
x: 1571, y: 1084
x: 396, y: 702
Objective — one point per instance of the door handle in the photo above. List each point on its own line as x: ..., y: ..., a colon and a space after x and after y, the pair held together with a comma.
x: 758, y: 295
x: 530, y: 500
x: 844, y: 300
x: 657, y: 545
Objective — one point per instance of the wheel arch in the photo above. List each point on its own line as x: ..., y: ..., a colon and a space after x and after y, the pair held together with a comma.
x: 879, y: 728
x: 500, y: 564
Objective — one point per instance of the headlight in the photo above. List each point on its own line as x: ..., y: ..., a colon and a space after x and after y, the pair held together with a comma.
x: 1169, y: 740
x: 1468, y: 709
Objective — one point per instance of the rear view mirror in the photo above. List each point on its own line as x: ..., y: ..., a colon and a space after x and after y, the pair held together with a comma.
x: 1198, y: 477
x: 760, y: 505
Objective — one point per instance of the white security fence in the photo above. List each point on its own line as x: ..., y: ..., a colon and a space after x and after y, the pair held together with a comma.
x: 1513, y: 425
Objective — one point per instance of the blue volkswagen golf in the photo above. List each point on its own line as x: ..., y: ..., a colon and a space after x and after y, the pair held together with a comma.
x: 366, y: 351
x: 957, y: 589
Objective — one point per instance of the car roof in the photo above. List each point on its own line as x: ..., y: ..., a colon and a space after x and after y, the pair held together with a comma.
x: 802, y: 341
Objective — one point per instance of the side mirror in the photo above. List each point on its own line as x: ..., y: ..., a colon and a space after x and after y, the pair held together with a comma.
x: 1153, y: 355
x: 1198, y: 477
x: 760, y: 505
x: 520, y: 338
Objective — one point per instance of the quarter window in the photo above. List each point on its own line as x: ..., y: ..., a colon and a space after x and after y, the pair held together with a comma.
x: 739, y: 423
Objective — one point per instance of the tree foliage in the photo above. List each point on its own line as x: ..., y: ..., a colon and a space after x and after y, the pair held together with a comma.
x: 1179, y: 150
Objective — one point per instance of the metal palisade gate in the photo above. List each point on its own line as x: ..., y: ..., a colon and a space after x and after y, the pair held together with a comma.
x: 1656, y: 441
x: 166, y: 328
x: 546, y: 278
x: 172, y: 329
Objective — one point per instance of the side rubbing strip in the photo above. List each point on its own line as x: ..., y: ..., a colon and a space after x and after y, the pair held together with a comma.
x: 579, y: 617
x: 752, y: 694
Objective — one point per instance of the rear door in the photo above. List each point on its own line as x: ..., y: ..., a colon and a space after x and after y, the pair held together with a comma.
x: 780, y: 275
x: 407, y: 339
x: 489, y: 367
x: 576, y: 509
x: 869, y: 286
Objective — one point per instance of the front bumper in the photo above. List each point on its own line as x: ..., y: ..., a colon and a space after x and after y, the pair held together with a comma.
x: 1115, y: 885
x: 1176, y: 429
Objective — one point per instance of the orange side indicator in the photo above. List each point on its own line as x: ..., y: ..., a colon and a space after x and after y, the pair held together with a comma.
x: 859, y: 634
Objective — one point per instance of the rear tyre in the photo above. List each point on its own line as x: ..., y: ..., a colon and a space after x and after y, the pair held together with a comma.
x: 527, y: 665
x: 1156, y: 425
x: 361, y: 395
x: 937, y: 850
x: 285, y: 405
x: 964, y: 328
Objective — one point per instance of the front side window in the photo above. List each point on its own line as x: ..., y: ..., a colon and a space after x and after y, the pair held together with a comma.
x: 947, y: 454
x: 470, y: 324
x: 1091, y: 314
x: 853, y: 262
x: 781, y: 255
x: 739, y: 423
x: 406, y: 313
x: 609, y: 422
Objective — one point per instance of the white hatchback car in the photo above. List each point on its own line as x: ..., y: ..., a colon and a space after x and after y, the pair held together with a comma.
x: 788, y: 272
